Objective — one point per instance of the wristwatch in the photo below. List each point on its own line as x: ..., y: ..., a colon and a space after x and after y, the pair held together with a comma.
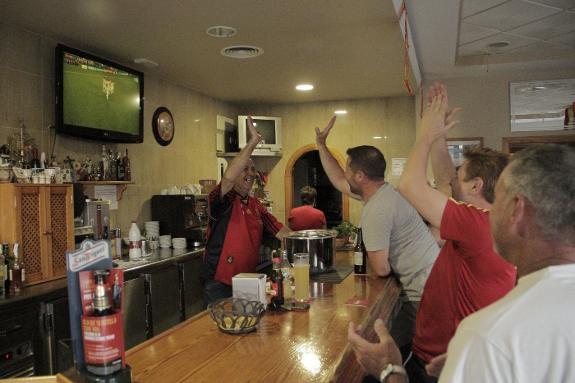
x: 392, y: 369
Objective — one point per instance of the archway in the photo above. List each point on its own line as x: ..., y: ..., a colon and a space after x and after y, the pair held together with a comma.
x: 289, y: 179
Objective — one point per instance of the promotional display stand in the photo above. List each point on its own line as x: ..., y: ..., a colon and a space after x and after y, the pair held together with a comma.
x: 95, y: 300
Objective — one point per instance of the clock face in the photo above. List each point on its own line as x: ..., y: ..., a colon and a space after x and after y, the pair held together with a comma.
x: 163, y: 126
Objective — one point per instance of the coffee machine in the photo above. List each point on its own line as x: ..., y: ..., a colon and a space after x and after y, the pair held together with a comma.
x: 182, y: 216
x: 96, y: 215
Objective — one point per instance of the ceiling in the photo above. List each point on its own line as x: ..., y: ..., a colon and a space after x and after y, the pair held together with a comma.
x: 347, y: 49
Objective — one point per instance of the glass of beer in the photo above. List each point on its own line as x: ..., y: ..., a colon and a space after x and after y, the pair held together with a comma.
x: 301, y: 276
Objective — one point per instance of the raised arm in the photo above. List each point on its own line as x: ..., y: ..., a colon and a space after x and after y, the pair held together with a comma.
x: 413, y: 185
x: 330, y: 165
x: 441, y: 162
x: 241, y: 160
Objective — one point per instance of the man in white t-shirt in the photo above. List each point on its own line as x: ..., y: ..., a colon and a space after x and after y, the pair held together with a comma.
x: 528, y: 335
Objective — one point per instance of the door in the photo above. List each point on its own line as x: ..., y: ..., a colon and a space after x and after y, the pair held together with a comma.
x: 164, y: 299
x: 193, y: 299
x: 59, y: 228
x: 134, y: 312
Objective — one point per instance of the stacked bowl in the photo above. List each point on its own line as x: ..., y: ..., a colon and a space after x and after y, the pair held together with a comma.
x: 179, y: 243
x: 165, y: 241
x: 152, y: 229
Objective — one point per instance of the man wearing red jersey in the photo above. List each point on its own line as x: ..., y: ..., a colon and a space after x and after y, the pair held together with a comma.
x: 467, y: 274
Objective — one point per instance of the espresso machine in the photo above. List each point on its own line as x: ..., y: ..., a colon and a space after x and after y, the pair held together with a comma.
x: 182, y: 216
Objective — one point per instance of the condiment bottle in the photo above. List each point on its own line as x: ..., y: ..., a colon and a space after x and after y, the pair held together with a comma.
x: 135, y: 238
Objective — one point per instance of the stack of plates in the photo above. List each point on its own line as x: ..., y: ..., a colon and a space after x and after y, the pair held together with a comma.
x: 152, y: 229
x: 165, y: 241
x: 179, y: 243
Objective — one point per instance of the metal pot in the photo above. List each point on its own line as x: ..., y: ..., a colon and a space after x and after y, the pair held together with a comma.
x: 319, y: 244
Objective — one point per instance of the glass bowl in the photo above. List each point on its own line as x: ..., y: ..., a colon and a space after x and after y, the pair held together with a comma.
x: 236, y: 315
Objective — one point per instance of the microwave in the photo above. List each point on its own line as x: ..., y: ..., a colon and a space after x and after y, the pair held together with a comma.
x: 184, y: 216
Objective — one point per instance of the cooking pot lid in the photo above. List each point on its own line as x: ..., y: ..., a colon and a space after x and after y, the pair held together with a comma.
x: 304, y: 234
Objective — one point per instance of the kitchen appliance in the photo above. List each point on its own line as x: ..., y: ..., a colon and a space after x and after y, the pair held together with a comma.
x: 184, y: 216
x: 96, y: 214
x: 319, y: 244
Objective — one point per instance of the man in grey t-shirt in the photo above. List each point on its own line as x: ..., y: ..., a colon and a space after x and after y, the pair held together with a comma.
x: 395, y: 237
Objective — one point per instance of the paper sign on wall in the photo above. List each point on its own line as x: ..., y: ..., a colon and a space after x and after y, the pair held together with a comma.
x: 107, y: 193
x: 397, y: 165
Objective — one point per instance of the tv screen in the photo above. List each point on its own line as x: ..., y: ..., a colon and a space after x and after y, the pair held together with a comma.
x: 96, y: 98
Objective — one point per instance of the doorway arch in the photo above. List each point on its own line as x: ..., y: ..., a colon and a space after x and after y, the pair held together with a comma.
x: 288, y: 179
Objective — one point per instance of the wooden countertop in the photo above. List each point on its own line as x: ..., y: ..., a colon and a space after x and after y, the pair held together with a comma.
x: 287, y: 346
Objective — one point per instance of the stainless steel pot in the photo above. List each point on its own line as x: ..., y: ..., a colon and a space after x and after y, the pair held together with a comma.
x: 319, y: 244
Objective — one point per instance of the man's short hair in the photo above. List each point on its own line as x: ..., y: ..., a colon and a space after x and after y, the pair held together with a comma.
x: 369, y: 160
x: 545, y: 175
x: 307, y: 195
x: 486, y: 164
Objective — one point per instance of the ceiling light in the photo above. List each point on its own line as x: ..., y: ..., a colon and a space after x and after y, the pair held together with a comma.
x: 304, y: 87
x: 221, y: 31
x: 377, y: 137
x: 145, y: 62
x: 242, y: 51
x: 498, y: 45
x: 341, y: 111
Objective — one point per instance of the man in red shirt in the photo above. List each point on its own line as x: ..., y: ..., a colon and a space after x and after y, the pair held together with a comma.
x: 467, y: 274
x: 236, y: 224
x: 306, y: 216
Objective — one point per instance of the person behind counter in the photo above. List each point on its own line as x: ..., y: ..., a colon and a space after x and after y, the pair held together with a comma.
x: 526, y: 336
x: 236, y: 224
x: 307, y: 217
x: 395, y: 237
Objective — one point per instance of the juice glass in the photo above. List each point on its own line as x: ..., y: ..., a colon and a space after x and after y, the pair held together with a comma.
x: 301, y: 276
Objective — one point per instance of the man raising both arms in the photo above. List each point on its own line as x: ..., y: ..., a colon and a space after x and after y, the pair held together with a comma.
x: 396, y: 239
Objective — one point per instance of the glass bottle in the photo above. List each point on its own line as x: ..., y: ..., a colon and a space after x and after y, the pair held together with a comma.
x: 285, y: 268
x: 17, y: 273
x: 120, y: 167
x: 359, y: 255
x: 135, y: 238
x: 3, y: 271
x: 127, y: 167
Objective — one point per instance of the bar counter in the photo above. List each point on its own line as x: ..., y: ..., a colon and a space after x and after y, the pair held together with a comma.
x: 288, y: 346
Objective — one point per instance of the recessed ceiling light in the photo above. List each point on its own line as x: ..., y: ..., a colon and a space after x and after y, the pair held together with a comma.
x: 221, y: 31
x: 377, y: 137
x: 145, y: 62
x: 304, y: 87
x: 242, y: 51
x: 498, y: 45
x: 341, y: 111
x: 539, y: 87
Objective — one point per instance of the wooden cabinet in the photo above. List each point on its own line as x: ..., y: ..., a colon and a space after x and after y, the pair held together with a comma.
x: 39, y: 218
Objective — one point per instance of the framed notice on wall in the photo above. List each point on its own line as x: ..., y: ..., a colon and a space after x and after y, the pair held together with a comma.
x: 456, y: 146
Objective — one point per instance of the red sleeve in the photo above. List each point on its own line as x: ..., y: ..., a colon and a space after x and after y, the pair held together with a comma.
x: 271, y: 224
x: 467, y: 225
x: 218, y: 204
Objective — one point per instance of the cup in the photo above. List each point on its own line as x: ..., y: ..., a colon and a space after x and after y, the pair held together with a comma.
x: 301, y: 276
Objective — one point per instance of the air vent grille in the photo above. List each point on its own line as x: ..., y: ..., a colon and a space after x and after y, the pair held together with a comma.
x: 242, y: 51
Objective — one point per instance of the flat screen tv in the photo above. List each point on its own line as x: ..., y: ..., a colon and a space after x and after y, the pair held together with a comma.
x: 98, y: 99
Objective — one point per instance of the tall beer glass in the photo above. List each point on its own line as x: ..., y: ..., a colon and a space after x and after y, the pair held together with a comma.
x: 301, y: 276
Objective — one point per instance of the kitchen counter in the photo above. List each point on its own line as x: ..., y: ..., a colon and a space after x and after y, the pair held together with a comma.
x: 48, y: 290
x: 287, y: 346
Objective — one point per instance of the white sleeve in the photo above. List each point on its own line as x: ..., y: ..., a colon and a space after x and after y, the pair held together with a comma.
x: 474, y: 358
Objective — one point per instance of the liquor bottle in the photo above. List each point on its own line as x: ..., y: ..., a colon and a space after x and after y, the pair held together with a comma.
x: 113, y: 166
x: 120, y: 167
x: 127, y: 167
x: 17, y: 272
x: 102, y: 304
x: 276, y: 261
x: 6, y: 266
x: 104, y: 165
x: 359, y: 255
x: 3, y: 271
x: 278, y: 299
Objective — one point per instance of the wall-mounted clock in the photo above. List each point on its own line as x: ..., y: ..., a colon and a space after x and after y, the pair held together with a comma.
x: 163, y: 126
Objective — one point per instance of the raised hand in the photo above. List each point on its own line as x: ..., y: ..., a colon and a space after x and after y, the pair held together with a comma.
x: 321, y: 136
x: 436, y: 121
x: 255, y: 137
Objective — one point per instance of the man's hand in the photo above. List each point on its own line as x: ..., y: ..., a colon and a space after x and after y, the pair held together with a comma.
x: 436, y: 365
x: 373, y: 357
x: 321, y: 136
x: 435, y: 121
x: 255, y: 136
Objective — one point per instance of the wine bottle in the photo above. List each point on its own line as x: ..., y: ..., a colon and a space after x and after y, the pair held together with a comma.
x: 359, y: 255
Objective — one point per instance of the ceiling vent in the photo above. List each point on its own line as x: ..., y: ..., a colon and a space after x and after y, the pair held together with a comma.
x: 242, y: 51
x: 498, y: 46
x: 221, y: 31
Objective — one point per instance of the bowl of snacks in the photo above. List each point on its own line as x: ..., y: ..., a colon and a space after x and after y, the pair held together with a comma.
x: 236, y: 315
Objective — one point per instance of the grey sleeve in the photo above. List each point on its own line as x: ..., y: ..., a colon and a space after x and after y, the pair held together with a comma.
x: 376, y: 226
